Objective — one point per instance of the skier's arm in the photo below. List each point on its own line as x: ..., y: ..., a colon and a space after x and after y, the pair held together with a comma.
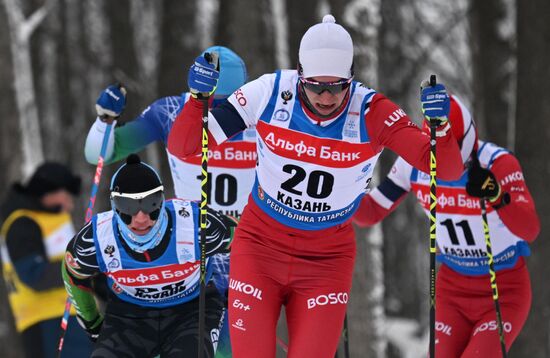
x: 379, y: 203
x: 520, y: 215
x: 151, y: 126
x: 81, y: 296
x: 240, y: 111
x: 392, y: 128
x: 27, y: 252
x: 78, y: 269
x: 385, y: 198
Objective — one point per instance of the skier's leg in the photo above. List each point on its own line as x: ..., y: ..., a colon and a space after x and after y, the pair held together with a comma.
x: 452, y: 329
x: 255, y: 296
x: 317, y: 304
x: 127, y: 336
x: 179, y: 327
x: 515, y: 301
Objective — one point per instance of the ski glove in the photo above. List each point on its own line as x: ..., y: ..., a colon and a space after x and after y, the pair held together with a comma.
x: 111, y: 102
x: 203, y: 76
x: 436, y: 103
x: 92, y: 328
x: 482, y: 184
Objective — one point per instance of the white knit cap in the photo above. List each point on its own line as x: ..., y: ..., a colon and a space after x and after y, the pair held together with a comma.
x: 326, y: 49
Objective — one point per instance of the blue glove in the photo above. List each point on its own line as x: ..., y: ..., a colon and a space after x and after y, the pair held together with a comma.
x: 111, y: 102
x: 435, y: 102
x: 203, y: 76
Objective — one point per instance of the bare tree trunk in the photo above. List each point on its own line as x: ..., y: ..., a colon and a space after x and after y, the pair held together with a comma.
x: 366, y: 312
x: 145, y: 18
x: 98, y: 37
x: 494, y: 67
x: 533, y: 111
x: 49, y: 91
x: 253, y: 42
x: 21, y: 30
x: 206, y: 20
x: 280, y: 27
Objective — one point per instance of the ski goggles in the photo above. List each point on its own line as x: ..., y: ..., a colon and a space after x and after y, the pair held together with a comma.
x: 147, y: 202
x: 333, y: 88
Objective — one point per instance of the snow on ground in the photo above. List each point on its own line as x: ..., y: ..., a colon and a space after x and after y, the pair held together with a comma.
x: 403, y: 334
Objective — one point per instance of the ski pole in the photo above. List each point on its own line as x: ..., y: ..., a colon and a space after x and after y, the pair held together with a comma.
x: 492, y: 272
x: 88, y: 217
x: 433, y: 223
x: 211, y: 58
x: 345, y: 335
x: 493, y: 275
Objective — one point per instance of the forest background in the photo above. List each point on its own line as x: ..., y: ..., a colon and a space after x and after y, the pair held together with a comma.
x: 57, y: 55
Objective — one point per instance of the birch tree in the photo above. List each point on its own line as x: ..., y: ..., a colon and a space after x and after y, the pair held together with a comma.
x: 21, y: 30
x: 48, y: 85
x: 145, y: 18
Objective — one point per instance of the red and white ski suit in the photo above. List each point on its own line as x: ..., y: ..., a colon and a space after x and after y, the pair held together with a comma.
x: 294, y: 245
x: 465, y: 311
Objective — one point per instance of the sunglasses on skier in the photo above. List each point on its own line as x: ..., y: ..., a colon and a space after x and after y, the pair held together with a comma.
x: 148, y: 202
x: 333, y: 88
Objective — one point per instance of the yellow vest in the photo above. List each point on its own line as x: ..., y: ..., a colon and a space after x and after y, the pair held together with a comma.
x: 29, y: 306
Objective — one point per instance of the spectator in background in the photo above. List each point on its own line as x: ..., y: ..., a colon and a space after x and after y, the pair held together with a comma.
x: 36, y: 227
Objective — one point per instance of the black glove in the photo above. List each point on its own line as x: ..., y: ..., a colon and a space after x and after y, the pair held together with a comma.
x: 92, y: 327
x: 482, y: 183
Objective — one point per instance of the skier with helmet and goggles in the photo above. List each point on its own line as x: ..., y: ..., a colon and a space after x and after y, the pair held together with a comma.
x: 148, y: 250
x: 319, y: 136
x: 230, y: 176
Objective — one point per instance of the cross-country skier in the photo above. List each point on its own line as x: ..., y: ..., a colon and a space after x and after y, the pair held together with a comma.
x: 466, y: 324
x: 148, y: 249
x: 231, y: 165
x: 319, y: 137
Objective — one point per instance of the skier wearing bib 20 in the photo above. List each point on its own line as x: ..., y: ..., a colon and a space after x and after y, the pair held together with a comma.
x: 466, y: 323
x: 319, y: 135
x: 148, y: 249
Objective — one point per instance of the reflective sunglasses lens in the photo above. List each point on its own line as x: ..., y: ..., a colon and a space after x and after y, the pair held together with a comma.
x: 152, y: 202
x: 126, y: 206
x: 319, y: 88
x: 131, y: 206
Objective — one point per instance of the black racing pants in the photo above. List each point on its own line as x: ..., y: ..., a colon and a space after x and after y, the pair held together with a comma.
x: 133, y: 332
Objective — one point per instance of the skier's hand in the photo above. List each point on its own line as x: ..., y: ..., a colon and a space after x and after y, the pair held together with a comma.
x: 482, y: 184
x: 111, y: 102
x: 203, y: 76
x: 436, y: 103
x: 92, y: 327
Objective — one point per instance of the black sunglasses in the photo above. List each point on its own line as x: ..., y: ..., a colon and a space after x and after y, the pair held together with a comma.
x: 333, y: 88
x: 131, y: 204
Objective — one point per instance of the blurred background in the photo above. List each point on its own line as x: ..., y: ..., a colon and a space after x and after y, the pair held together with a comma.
x: 56, y: 56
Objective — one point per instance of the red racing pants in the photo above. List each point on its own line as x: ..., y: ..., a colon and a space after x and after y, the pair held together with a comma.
x: 309, y: 272
x: 466, y: 324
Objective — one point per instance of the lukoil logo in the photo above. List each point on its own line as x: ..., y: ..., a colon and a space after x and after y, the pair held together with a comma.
x: 245, y: 288
x: 443, y: 328
x: 332, y: 298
